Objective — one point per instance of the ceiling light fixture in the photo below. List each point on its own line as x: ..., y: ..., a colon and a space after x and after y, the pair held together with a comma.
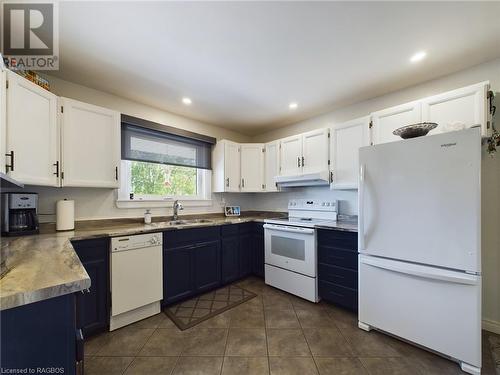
x: 419, y: 56
x: 186, y: 101
x: 293, y: 105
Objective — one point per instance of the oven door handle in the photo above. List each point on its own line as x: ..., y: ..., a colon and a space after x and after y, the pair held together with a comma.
x: 283, y: 228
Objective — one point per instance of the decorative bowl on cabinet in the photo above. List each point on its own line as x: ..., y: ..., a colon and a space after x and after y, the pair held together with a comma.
x: 415, y: 130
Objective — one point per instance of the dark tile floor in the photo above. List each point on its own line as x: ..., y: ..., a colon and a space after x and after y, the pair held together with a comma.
x: 274, y: 333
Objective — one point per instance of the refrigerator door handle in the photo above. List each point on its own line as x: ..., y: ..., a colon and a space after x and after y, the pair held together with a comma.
x: 421, y: 271
x: 361, y: 210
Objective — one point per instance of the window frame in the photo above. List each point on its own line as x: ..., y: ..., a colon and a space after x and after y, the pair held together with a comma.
x: 203, y: 198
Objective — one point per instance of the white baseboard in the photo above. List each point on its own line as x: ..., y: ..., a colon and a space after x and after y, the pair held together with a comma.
x: 491, y: 325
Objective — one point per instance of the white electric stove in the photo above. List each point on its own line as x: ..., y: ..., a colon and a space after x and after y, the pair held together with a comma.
x: 290, y: 247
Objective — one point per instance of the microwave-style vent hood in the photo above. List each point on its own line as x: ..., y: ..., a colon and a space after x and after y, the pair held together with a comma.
x: 310, y: 179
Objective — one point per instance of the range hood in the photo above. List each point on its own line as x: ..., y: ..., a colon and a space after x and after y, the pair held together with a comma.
x: 310, y: 179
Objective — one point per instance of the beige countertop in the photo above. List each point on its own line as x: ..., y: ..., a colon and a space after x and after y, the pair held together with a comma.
x: 44, y: 266
x: 344, y: 226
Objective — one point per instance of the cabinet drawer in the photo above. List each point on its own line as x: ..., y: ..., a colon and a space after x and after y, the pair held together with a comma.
x: 190, y: 236
x: 337, y: 257
x: 338, y: 239
x: 339, y: 295
x: 338, y: 275
x: 229, y: 230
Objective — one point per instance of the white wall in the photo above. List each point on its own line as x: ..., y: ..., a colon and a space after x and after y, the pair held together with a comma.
x: 348, y: 199
x: 490, y: 170
x: 92, y: 203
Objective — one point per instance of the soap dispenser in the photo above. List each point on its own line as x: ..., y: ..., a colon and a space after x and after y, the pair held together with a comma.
x: 147, y: 217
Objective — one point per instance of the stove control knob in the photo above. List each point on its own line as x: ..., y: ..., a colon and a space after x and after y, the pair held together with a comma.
x: 323, y: 203
x: 327, y: 203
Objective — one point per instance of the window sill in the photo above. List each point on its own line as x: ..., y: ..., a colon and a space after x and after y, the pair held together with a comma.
x: 127, y: 203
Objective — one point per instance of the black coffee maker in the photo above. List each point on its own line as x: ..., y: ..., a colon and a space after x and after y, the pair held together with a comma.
x: 19, y: 214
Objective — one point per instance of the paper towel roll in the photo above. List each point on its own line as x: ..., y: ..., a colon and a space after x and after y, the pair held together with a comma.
x: 65, y: 215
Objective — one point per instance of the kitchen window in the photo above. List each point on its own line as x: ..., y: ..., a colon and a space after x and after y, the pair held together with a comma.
x: 159, y: 164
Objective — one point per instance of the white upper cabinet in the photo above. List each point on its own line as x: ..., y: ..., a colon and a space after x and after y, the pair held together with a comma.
x: 452, y: 110
x: 291, y: 155
x: 390, y: 119
x: 3, y: 118
x: 226, y: 167
x: 346, y: 139
x: 90, y: 145
x: 252, y: 167
x: 32, y: 133
x: 458, y: 109
x: 232, y: 166
x: 271, y: 165
x: 315, y: 151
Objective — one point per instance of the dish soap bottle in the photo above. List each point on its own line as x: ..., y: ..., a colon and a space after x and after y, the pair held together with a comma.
x: 147, y: 217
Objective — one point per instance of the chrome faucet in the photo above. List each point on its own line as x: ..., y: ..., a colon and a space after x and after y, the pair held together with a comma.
x: 176, y: 208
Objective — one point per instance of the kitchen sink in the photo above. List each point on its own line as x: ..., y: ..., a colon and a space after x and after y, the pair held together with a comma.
x: 185, y: 222
x: 177, y: 222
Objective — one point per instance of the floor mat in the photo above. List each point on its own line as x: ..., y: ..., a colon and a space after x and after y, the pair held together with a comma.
x: 189, y: 313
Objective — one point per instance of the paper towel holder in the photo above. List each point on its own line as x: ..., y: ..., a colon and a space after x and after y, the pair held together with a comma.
x: 65, y: 215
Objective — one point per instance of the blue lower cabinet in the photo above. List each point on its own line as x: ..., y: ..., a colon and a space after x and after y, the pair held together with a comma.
x: 338, y: 275
x: 41, y: 335
x: 338, y: 267
x: 258, y: 250
x: 201, y: 259
x: 245, y: 254
x: 93, y: 305
x: 230, y: 259
x: 178, y: 274
x: 338, y: 295
x: 207, y: 265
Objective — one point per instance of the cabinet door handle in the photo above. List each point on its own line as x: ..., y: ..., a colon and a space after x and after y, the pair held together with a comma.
x: 56, y: 164
x: 303, y: 161
x: 298, y: 161
x: 242, y: 182
x: 116, y: 173
x: 11, y: 165
x: 227, y: 182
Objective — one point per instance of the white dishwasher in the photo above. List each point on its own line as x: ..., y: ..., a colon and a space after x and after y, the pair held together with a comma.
x: 136, y: 278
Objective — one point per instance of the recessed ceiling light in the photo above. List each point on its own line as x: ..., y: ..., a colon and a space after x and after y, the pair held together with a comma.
x: 293, y: 105
x: 419, y: 56
x: 186, y: 101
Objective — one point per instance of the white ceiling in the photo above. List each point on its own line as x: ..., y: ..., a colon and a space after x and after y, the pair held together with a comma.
x: 242, y: 63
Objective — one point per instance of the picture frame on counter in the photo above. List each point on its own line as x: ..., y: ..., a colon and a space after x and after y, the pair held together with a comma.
x: 232, y: 210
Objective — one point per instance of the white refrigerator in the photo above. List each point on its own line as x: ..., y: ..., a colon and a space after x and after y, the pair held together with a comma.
x: 420, y: 242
